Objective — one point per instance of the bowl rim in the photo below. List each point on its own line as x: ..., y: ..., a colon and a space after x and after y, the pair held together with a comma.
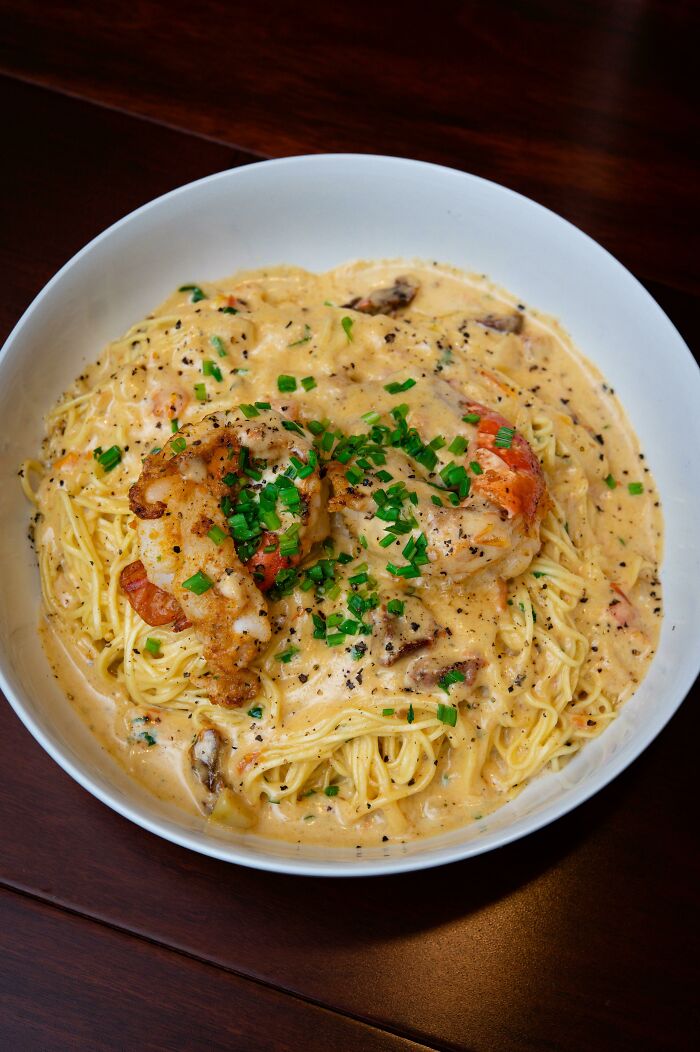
x: 245, y: 855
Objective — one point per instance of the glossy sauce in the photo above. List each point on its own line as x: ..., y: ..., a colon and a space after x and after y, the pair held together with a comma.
x: 622, y: 534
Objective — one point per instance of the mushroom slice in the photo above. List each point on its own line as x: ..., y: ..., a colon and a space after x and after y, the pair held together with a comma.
x: 425, y: 673
x: 386, y: 301
x: 502, y: 322
x: 205, y: 756
x: 398, y: 634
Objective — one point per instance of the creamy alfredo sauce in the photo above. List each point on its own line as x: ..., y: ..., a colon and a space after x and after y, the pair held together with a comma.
x: 291, y: 322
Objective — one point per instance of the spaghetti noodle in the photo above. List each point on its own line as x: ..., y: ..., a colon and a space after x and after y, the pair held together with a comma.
x: 529, y: 629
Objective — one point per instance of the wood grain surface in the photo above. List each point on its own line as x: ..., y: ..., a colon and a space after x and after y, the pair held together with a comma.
x: 587, y: 107
x: 149, y: 998
x: 584, y: 935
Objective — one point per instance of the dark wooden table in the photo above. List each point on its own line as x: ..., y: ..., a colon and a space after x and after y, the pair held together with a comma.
x: 583, y: 936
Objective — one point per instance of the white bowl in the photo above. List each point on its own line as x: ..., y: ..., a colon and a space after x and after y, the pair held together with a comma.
x: 318, y: 212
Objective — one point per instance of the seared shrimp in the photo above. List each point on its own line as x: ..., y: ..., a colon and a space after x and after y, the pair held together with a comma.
x: 481, y: 516
x: 203, y: 505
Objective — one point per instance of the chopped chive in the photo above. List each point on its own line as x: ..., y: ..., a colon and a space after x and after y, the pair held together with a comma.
x: 308, y: 383
x: 174, y: 425
x: 427, y: 458
x: 384, y: 476
x: 388, y: 712
x: 353, y: 476
x: 457, y: 445
x: 271, y: 519
x: 218, y: 345
x: 210, y: 368
x: 255, y: 713
x: 335, y: 639
x: 332, y: 790
x: 153, y: 646
x: 635, y: 488
x: 228, y: 310
x: 539, y: 573
x: 395, y: 606
x: 363, y: 540
x: 262, y: 405
x: 286, y: 383
x: 504, y: 437
x: 403, y: 571
x: 396, y: 388
x: 305, y: 338
x: 178, y: 445
x: 610, y: 482
x: 437, y: 443
x: 110, y: 458
x: 453, y: 676
x: 217, y: 535
x: 359, y: 578
x: 347, y: 324
x: 200, y: 391
x: 289, y: 425
x: 437, y: 501
x: 199, y: 583
x: 476, y: 467
x: 471, y: 418
x: 411, y: 714
x: 447, y: 714
x: 371, y: 417
x: 197, y: 293
x: 286, y: 655
x: 315, y: 427
x: 386, y: 541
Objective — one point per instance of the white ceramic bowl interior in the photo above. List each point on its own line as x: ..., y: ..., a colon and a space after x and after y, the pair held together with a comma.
x: 318, y: 212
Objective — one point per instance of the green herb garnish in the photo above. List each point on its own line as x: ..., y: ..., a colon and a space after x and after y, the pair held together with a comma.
x: 286, y: 655
x: 248, y: 410
x: 396, y: 388
x: 197, y: 293
x: 504, y: 437
x: 210, y: 368
x: 217, y: 535
x: 447, y: 714
x: 305, y: 338
x: 199, y: 583
x: 453, y: 676
x: 110, y: 458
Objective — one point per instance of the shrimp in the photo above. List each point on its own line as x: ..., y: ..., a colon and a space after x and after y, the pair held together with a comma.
x: 202, y: 503
x: 489, y: 531
x: 169, y: 404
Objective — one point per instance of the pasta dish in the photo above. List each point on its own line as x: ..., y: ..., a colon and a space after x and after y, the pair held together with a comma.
x: 345, y: 558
